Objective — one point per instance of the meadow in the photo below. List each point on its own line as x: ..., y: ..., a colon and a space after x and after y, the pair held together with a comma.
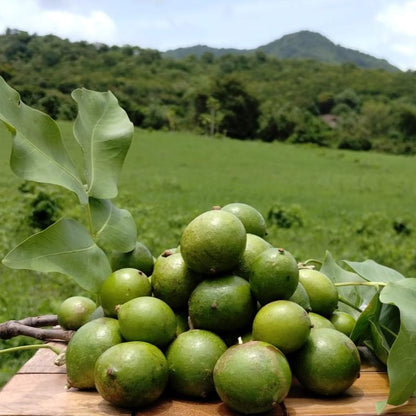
x: 356, y: 205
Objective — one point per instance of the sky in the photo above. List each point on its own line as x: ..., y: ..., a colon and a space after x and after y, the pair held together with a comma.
x: 382, y: 28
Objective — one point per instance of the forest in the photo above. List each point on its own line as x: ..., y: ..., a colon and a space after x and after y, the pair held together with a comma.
x: 252, y: 96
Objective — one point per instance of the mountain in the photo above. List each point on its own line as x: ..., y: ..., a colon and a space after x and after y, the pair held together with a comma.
x: 300, y: 45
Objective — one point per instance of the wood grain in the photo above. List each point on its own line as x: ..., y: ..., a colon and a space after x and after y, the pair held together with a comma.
x: 39, y: 390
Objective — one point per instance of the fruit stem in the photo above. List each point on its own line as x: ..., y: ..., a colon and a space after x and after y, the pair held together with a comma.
x: 310, y: 263
x: 348, y: 303
x: 89, y: 217
x: 57, y: 351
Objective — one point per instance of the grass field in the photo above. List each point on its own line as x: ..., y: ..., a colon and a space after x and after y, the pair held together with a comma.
x: 356, y: 205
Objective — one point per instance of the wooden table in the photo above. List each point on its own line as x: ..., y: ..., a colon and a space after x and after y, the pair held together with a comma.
x: 38, y: 389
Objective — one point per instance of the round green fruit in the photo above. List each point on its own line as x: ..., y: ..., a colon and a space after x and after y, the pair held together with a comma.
x: 140, y: 258
x: 131, y: 374
x: 147, y: 319
x: 120, y: 286
x: 173, y: 281
x: 253, y: 221
x: 84, y: 348
x: 252, y: 377
x: 323, y: 294
x: 343, y: 322
x: 213, y: 242
x: 75, y: 311
x: 282, y: 323
x: 328, y: 363
x: 274, y: 275
x: 222, y: 304
x: 254, y: 246
x: 319, y: 321
x: 191, y: 359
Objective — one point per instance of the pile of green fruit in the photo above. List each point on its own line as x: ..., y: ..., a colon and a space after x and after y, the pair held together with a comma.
x: 223, y: 313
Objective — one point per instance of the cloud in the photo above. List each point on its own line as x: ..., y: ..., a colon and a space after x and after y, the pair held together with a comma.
x: 29, y: 15
x: 400, y: 17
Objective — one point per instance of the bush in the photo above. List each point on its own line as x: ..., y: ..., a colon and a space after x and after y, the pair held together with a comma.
x: 285, y: 217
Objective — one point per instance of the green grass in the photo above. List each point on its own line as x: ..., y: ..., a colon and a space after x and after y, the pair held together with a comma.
x: 349, y: 202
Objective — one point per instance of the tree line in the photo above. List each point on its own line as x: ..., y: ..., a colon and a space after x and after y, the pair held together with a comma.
x: 246, y: 97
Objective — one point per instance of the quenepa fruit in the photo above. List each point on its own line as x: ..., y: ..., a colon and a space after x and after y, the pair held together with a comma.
x: 191, y: 359
x: 323, y: 294
x: 120, y: 286
x: 274, y: 275
x: 173, y: 281
x: 343, y: 322
x: 251, y: 218
x: 282, y: 323
x: 84, y: 348
x: 75, y: 311
x: 328, y: 363
x: 131, y: 374
x: 147, y: 319
x: 252, y: 377
x: 139, y: 258
x: 222, y: 304
x: 213, y: 242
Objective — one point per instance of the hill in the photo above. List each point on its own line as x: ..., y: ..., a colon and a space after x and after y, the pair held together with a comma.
x: 300, y: 45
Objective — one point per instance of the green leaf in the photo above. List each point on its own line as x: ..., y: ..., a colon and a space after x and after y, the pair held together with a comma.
x: 64, y: 247
x: 374, y: 272
x: 362, y: 330
x: 401, y: 363
x: 104, y: 132
x: 114, y: 228
x: 380, y: 345
x: 357, y: 295
x: 38, y: 153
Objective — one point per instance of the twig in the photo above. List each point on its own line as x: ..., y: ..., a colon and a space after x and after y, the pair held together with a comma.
x: 32, y: 327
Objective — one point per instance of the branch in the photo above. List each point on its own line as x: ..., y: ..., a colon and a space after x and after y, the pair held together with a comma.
x: 31, y: 327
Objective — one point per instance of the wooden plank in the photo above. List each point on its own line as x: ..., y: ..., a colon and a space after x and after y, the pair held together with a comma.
x: 39, y: 389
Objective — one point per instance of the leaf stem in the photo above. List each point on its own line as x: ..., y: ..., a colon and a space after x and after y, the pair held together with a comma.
x: 57, y: 351
x: 89, y: 218
x: 373, y: 284
x: 348, y: 303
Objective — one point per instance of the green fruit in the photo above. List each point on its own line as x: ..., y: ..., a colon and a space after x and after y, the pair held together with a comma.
x: 147, y: 319
x: 252, y: 220
x: 252, y: 377
x: 222, y: 304
x: 254, y: 246
x: 173, y: 281
x: 343, y: 322
x: 120, y: 286
x: 85, y: 346
x: 131, y: 374
x: 182, y: 324
x: 274, y: 275
x: 140, y: 258
x: 282, y: 323
x: 75, y: 311
x: 213, y: 242
x: 328, y: 363
x: 319, y: 321
x: 323, y: 294
x: 191, y: 359
x: 300, y: 296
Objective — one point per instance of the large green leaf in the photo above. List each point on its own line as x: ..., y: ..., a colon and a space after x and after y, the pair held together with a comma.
x: 64, y: 247
x: 104, y: 133
x: 374, y: 272
x: 401, y: 362
x: 114, y: 228
x: 38, y: 153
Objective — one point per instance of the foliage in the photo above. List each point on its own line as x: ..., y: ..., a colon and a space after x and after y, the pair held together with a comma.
x: 103, y: 133
x: 285, y: 217
x: 258, y: 95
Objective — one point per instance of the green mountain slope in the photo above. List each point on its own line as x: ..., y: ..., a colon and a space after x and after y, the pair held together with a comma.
x: 299, y: 45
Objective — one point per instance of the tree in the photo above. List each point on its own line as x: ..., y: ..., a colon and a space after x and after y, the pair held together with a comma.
x: 240, y: 109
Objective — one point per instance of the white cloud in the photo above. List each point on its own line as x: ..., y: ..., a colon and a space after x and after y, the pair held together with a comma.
x: 400, y: 17
x: 28, y: 15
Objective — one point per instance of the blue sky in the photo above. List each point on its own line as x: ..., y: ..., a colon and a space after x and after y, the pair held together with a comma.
x: 383, y: 28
